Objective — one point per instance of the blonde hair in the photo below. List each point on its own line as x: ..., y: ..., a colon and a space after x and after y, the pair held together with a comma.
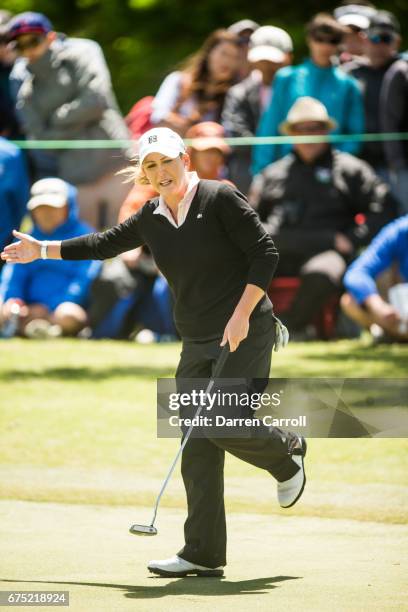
x: 134, y: 173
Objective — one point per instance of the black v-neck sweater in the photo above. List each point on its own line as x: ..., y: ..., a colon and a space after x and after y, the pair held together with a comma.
x: 207, y: 261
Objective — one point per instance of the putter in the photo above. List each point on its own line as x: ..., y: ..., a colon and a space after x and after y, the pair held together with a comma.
x: 151, y: 530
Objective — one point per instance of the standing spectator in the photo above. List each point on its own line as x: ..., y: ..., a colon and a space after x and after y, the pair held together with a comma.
x: 382, y: 44
x: 208, y: 150
x: 244, y: 30
x: 66, y: 94
x: 9, y: 127
x: 356, y: 18
x: 197, y: 91
x: 394, y: 118
x: 46, y: 295
x: 363, y: 302
x: 14, y: 188
x: 319, y: 78
x: 270, y: 49
x: 319, y: 205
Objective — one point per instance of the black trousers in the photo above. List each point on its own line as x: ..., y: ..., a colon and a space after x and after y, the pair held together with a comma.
x: 202, y: 463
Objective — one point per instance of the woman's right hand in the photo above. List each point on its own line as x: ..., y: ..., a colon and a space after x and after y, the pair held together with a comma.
x: 26, y: 250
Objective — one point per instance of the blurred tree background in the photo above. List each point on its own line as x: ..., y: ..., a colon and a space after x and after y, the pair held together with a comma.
x: 143, y: 40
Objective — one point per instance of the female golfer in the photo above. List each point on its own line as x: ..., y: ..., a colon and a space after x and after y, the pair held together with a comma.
x: 218, y: 260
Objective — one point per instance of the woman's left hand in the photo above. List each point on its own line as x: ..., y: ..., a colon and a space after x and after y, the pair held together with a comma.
x: 236, y: 330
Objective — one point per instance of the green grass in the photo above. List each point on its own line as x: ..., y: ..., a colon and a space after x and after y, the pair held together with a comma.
x: 78, y: 424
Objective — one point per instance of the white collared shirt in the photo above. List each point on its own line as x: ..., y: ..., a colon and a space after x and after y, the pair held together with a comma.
x: 184, y: 204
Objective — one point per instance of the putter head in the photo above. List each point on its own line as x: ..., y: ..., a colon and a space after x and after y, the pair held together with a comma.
x: 143, y: 530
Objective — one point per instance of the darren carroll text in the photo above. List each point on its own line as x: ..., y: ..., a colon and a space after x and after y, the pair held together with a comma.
x: 221, y: 421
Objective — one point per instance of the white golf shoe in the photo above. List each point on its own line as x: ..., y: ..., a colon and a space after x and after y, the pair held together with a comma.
x: 177, y: 567
x: 289, y: 491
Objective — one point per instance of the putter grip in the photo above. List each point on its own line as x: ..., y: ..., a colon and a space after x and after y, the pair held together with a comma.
x: 221, y: 361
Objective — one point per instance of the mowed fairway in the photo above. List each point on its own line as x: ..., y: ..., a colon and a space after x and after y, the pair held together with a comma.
x: 80, y: 461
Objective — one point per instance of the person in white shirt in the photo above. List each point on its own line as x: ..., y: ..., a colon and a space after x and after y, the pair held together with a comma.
x: 270, y: 49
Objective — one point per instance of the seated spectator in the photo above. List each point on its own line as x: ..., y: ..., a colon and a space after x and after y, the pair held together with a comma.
x: 208, y: 150
x: 63, y: 92
x: 319, y: 78
x: 319, y: 205
x: 50, y: 300
x: 363, y: 302
x: 9, y: 125
x: 394, y: 118
x: 197, y: 91
x: 130, y: 295
x: 356, y: 18
x: 243, y: 29
x: 382, y: 42
x: 270, y: 49
x: 14, y: 188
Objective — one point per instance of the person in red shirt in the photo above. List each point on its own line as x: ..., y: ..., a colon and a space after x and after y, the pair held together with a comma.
x: 208, y: 150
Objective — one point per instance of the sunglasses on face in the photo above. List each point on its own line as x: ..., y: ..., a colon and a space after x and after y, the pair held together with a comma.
x: 355, y: 29
x: 311, y: 128
x: 243, y: 39
x: 28, y: 43
x: 385, y: 38
x: 327, y: 40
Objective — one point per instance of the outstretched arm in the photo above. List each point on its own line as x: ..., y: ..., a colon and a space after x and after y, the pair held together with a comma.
x: 97, y: 245
x: 28, y: 249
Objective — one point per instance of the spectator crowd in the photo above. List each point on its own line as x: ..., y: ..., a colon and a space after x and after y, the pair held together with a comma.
x: 337, y: 208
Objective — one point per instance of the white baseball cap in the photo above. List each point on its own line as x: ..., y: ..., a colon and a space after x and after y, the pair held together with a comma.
x: 160, y: 140
x: 48, y: 192
x: 269, y: 43
x: 241, y: 26
x: 353, y: 19
x: 354, y: 15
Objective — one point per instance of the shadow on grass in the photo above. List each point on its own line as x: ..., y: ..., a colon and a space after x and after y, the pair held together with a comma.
x: 362, y: 353
x: 86, y: 373
x: 395, y: 362
x: 192, y: 585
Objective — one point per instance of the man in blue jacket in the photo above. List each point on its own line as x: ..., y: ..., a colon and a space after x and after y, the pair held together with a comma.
x: 14, y: 189
x: 363, y: 303
x: 318, y: 78
x: 49, y: 298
